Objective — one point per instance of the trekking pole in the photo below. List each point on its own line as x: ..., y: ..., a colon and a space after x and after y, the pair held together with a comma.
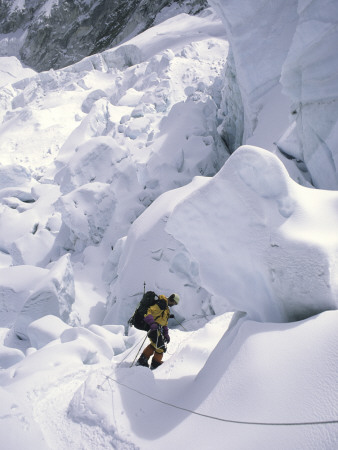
x: 144, y: 287
x: 131, y: 351
x: 139, y: 350
x: 180, y: 323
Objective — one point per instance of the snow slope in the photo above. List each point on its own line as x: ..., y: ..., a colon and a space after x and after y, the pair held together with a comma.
x: 113, y: 174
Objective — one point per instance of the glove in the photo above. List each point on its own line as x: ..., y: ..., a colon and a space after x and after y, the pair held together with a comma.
x: 149, y: 319
x: 166, y: 334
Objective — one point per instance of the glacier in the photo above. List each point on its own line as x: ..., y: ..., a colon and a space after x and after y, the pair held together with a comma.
x: 194, y: 157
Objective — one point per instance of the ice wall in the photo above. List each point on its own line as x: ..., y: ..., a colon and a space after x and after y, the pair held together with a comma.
x: 284, y: 60
x: 309, y: 78
x: 257, y: 60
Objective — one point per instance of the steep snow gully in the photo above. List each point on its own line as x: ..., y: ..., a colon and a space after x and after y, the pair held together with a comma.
x: 183, y: 158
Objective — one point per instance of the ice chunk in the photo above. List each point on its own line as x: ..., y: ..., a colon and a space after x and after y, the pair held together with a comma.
x: 136, y: 127
x: 98, y: 159
x: 44, y: 330
x: 53, y: 295
x: 16, y: 284
x: 91, y: 99
x: 87, y: 212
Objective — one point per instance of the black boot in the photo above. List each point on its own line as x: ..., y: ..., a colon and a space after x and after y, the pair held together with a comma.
x: 142, y: 361
x: 155, y: 364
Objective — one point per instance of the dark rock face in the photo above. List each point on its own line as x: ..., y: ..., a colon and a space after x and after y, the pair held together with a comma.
x: 62, y: 32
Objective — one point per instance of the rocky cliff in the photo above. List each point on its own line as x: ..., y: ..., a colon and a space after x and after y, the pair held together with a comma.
x: 47, y: 34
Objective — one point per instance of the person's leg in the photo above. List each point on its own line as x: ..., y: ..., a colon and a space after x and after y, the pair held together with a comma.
x: 157, y: 360
x: 146, y: 354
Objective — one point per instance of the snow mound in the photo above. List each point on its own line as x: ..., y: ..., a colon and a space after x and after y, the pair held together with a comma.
x: 13, y: 175
x: 9, y: 356
x: 83, y: 334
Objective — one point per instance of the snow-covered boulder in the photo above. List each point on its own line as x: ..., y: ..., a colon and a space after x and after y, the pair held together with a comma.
x: 53, y: 295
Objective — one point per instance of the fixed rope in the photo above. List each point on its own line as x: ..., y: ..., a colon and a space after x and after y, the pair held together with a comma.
x: 207, y: 416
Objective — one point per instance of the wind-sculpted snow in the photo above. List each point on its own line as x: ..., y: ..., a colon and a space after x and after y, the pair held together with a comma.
x: 281, y: 243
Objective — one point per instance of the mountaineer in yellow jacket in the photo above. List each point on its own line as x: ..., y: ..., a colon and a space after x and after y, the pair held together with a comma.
x: 157, y: 317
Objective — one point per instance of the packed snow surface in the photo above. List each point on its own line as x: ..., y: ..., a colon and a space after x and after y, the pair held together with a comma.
x: 113, y: 174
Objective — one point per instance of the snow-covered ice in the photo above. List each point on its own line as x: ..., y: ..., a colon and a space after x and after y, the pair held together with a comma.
x: 183, y: 158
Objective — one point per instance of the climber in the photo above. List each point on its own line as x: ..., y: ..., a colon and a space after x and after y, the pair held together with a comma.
x: 157, y: 317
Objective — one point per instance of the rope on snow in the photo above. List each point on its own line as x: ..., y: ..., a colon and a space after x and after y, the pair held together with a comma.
x: 207, y: 416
